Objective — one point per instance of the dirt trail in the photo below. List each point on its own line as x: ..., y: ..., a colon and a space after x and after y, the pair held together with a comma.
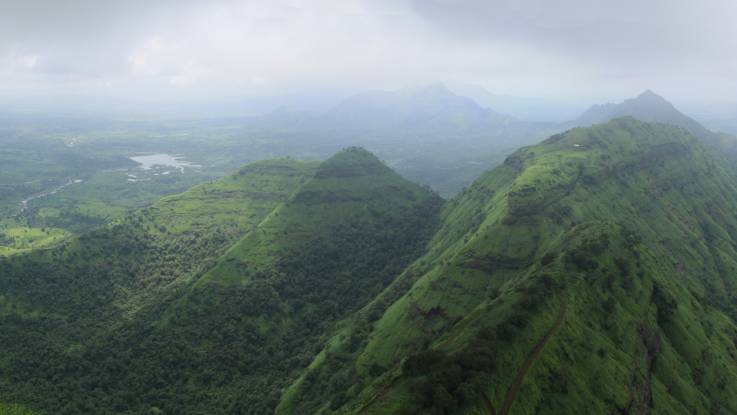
x: 487, y: 404
x: 378, y: 397
x: 531, y: 357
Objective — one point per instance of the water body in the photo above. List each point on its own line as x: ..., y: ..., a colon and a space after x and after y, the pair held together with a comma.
x: 148, y: 161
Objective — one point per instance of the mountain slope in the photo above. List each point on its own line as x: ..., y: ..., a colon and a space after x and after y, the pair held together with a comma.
x: 331, y: 248
x: 153, y: 249
x: 58, y: 306
x: 218, y: 335
x: 593, y: 273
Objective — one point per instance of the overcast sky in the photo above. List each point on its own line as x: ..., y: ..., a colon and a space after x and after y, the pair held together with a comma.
x: 198, y: 50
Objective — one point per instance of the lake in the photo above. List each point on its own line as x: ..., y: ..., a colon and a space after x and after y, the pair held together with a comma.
x: 148, y: 161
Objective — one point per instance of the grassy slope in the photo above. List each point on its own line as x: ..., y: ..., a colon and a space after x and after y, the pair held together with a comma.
x: 631, y: 226
x: 12, y: 409
x: 327, y: 251
x: 351, y: 190
x: 58, y: 301
x: 23, y: 239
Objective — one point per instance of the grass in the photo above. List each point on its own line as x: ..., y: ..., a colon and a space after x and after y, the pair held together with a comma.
x: 23, y: 239
x: 14, y: 409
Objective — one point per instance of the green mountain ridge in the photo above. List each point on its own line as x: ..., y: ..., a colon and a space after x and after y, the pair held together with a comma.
x: 623, y: 233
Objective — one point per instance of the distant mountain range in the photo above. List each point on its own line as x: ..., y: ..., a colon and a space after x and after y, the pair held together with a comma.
x: 430, y: 134
x: 434, y: 106
x: 524, y: 108
x: 440, y: 138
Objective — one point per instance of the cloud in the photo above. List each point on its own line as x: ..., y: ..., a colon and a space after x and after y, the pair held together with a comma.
x: 137, y: 48
x: 639, y: 41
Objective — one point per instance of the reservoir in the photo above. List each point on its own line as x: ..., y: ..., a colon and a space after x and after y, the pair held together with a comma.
x: 148, y: 161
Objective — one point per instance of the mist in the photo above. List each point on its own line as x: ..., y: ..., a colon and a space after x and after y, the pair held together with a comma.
x: 245, y: 57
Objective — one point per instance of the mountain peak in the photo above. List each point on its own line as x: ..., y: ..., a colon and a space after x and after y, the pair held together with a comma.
x: 648, y: 93
x: 355, y: 153
x: 433, y: 88
x: 352, y: 161
x: 648, y: 107
x: 651, y: 97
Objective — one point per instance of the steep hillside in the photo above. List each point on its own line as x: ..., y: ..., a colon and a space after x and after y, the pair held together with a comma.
x: 593, y: 273
x: 276, y: 293
x: 323, y: 242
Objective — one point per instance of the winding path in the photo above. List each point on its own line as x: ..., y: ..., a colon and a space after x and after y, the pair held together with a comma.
x: 531, y: 357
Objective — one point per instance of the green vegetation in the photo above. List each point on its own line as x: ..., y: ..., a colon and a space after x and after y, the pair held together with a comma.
x: 629, y: 226
x: 158, y: 333
x: 11, y: 409
x: 22, y: 239
x: 592, y: 273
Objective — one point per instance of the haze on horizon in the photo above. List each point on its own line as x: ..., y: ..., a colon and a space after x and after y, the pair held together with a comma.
x: 166, y: 53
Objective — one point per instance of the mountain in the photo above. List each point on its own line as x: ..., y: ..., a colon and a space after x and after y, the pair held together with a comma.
x: 429, y: 134
x: 210, y: 301
x: 371, y: 114
x: 524, y: 108
x: 432, y: 106
x: 648, y: 107
x: 592, y: 273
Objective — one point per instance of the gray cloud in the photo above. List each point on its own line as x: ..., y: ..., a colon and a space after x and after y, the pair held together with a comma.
x: 632, y: 31
x: 197, y: 49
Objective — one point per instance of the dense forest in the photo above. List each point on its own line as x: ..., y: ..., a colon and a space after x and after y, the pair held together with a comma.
x: 132, y: 309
